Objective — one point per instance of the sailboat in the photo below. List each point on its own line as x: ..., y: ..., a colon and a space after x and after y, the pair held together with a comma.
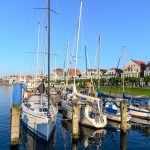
x: 138, y: 107
x: 38, y: 113
x: 90, y: 112
x: 111, y: 106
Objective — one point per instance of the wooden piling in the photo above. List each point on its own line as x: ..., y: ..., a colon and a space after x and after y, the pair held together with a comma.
x: 75, y: 122
x: 15, y: 124
x: 123, y: 116
x: 123, y: 145
x: 74, y: 144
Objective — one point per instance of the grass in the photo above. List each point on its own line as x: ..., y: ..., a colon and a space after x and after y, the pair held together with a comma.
x: 128, y: 91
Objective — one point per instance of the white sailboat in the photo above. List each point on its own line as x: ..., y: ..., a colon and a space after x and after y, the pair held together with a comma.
x: 138, y: 108
x: 140, y: 112
x: 111, y: 106
x: 90, y: 112
x: 38, y: 113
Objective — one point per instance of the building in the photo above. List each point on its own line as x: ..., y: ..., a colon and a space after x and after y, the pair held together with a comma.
x: 24, y: 79
x: 134, y: 68
x: 58, y: 73
x: 113, y: 72
x: 93, y: 73
x: 147, y: 70
x: 73, y: 72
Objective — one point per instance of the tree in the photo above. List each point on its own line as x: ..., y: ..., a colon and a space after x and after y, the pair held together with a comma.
x: 147, y: 80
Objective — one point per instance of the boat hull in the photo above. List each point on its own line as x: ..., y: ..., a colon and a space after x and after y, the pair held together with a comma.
x: 41, y: 126
x: 139, y: 113
x: 116, y: 118
x: 84, y: 119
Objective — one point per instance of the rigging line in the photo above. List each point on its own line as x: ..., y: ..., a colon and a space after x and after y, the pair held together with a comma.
x: 78, y: 34
x: 74, y: 45
x: 59, y: 28
x: 114, y: 77
x: 47, y: 9
x: 45, y: 53
x: 90, y: 74
x: 30, y: 18
x: 95, y: 59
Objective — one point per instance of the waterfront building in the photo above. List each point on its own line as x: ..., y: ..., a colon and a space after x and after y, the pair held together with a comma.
x: 147, y: 70
x: 58, y: 73
x: 113, y: 73
x: 134, y: 68
x: 24, y: 79
x: 71, y: 73
x: 93, y: 73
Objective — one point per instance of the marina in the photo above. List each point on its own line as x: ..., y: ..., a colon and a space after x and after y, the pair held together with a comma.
x: 69, y: 99
x: 137, y: 136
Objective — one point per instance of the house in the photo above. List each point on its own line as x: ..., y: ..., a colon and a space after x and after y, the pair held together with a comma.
x: 113, y: 72
x: 29, y: 78
x: 147, y: 70
x: 24, y: 79
x: 9, y: 79
x: 134, y: 68
x: 58, y: 73
x: 74, y: 72
x: 93, y: 73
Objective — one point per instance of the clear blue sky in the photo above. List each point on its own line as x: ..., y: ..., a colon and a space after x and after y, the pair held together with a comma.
x: 119, y: 23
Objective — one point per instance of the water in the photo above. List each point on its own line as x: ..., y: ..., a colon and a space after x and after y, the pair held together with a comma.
x: 104, y: 139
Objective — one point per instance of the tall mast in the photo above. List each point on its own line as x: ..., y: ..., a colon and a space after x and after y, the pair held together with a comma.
x: 37, y: 51
x: 67, y: 63
x: 77, y: 42
x: 86, y: 61
x: 48, y: 15
x: 44, y: 53
x: 55, y: 66
x: 123, y: 67
x: 99, y: 45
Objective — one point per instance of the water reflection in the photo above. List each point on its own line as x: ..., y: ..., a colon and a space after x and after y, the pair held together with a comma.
x: 87, y: 138
x: 140, y: 121
x: 123, y: 141
x: 30, y: 142
x: 109, y: 138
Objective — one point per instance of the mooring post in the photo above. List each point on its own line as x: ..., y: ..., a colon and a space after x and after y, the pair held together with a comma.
x: 123, y: 116
x: 15, y: 124
x: 123, y: 145
x: 15, y: 114
x: 74, y: 144
x: 75, y: 122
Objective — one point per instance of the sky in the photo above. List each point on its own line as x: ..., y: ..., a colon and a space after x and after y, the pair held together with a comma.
x: 119, y: 22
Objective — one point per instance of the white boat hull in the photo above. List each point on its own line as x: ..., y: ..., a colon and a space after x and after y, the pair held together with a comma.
x: 97, y: 122
x: 116, y: 118
x: 41, y: 126
x: 139, y: 113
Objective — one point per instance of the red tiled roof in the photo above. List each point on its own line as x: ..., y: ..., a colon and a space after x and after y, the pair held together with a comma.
x: 72, y: 71
x: 138, y: 62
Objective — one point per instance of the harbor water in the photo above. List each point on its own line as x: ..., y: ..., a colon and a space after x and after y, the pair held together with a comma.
x: 109, y: 138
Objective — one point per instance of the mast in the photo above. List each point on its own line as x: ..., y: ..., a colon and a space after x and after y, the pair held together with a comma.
x: 99, y: 44
x: 36, y: 76
x: 123, y: 67
x: 67, y: 63
x: 55, y: 66
x: 86, y: 61
x: 77, y: 42
x: 48, y: 15
x: 44, y: 53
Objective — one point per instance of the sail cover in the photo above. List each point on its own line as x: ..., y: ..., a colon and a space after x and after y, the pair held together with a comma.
x: 41, y: 88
